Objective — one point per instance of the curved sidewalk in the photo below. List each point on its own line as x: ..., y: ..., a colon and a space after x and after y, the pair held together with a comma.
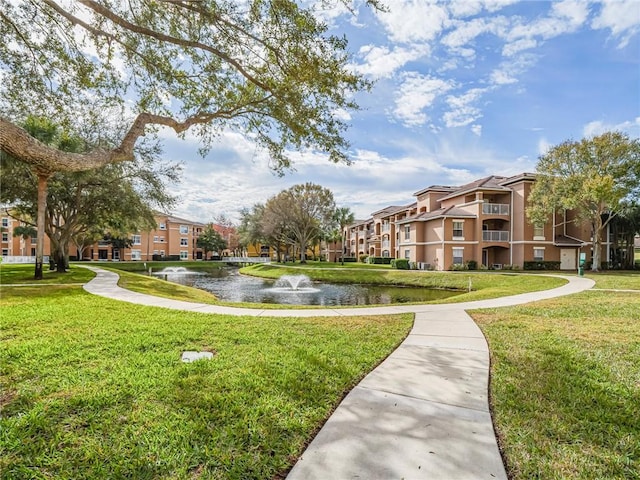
x: 423, y: 413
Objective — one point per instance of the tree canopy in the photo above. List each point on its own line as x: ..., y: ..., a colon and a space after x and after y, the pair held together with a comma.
x: 303, y: 213
x: 118, y: 198
x: 595, y: 177
x: 265, y: 67
x: 211, y: 241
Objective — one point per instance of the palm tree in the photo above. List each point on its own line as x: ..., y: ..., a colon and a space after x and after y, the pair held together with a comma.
x: 343, y: 216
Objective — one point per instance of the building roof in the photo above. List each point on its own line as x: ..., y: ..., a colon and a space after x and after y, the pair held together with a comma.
x: 518, y: 178
x: 566, y: 241
x: 436, y: 188
x: 440, y: 213
x: 390, y: 210
x: 492, y: 182
x: 174, y: 219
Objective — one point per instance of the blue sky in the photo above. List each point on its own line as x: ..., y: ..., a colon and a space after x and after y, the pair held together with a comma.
x: 463, y: 90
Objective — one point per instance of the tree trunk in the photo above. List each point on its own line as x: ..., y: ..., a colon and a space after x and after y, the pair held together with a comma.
x: 61, y: 261
x: 597, y: 232
x: 42, y: 205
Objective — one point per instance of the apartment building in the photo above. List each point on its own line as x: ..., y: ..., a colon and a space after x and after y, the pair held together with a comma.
x: 174, y: 237
x: 16, y: 246
x: 484, y: 221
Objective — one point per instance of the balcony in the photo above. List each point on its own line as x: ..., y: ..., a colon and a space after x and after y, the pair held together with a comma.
x: 495, y: 236
x: 495, y: 209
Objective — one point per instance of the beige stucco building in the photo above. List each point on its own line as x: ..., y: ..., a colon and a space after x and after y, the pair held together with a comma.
x: 484, y: 221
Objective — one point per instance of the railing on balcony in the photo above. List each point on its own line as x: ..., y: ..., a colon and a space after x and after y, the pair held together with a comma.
x: 495, y: 236
x: 495, y: 208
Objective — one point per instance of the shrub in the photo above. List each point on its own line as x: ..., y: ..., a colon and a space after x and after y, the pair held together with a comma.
x: 472, y: 265
x: 400, y: 263
x: 379, y: 260
x: 350, y: 259
x: 458, y: 266
x: 363, y: 258
x: 549, y: 265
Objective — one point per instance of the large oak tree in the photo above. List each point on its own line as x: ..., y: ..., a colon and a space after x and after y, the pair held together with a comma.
x: 595, y: 177
x: 264, y: 67
x: 304, y: 211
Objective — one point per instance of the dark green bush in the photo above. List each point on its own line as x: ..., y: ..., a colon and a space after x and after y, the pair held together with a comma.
x: 400, y: 263
x: 380, y: 260
x: 472, y: 265
x: 549, y: 265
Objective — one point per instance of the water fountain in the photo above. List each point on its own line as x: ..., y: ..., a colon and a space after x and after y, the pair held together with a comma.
x: 294, y: 283
x: 175, y: 271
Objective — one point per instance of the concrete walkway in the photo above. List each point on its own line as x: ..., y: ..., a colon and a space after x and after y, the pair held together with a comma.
x: 423, y: 413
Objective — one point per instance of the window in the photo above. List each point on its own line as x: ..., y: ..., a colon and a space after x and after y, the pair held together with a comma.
x: 407, y: 254
x: 458, y: 229
x: 135, y: 255
x: 184, y: 230
x: 34, y: 240
x: 5, y: 222
x: 184, y: 255
x: 538, y: 254
x: 184, y: 242
x: 155, y: 239
x: 162, y: 253
x: 538, y: 231
x: 162, y: 226
x: 5, y: 252
x: 161, y: 239
x: 136, y: 240
x: 5, y: 237
x: 407, y: 232
x: 458, y: 256
x: 385, y: 253
x: 155, y: 252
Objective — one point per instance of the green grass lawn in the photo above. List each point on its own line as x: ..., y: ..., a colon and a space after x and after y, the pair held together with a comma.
x: 23, y: 274
x: 565, y: 383
x: 94, y: 388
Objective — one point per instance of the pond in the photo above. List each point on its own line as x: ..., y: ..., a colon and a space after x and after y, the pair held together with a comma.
x: 228, y: 285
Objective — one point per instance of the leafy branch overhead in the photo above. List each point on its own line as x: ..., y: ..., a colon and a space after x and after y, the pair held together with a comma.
x: 267, y: 68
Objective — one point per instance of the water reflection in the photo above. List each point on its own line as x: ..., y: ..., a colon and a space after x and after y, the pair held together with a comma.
x: 228, y: 285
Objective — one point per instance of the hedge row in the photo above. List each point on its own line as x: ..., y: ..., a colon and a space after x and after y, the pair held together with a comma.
x: 541, y: 265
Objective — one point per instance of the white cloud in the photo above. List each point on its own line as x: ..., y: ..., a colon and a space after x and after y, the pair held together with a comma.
x: 413, y: 21
x: 466, y: 32
x: 463, y: 111
x: 469, y: 8
x: 477, y: 130
x: 598, y: 127
x: 509, y: 71
x: 622, y: 17
x: 543, y: 146
x: 565, y: 17
x: 382, y: 62
x: 512, y: 48
x: 416, y: 93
